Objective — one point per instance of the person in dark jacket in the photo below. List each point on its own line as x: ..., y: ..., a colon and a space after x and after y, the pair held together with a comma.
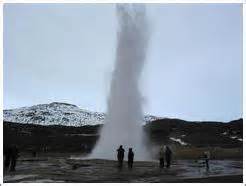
x: 130, y: 158
x: 168, y: 156
x: 120, y: 155
x: 161, y: 157
x: 206, y: 156
x: 7, y: 154
x: 13, y: 157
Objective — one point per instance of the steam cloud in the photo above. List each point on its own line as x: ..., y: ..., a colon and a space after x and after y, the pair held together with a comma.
x: 124, y: 118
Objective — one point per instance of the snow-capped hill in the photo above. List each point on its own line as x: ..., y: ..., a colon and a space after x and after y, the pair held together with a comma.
x: 57, y: 114
x: 54, y: 114
x: 149, y: 118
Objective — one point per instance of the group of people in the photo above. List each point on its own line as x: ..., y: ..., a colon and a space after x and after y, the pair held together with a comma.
x: 120, y: 157
x: 165, y: 157
x: 11, y: 154
x: 165, y: 154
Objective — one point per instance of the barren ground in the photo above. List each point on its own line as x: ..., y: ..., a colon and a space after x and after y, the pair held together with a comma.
x: 72, y: 168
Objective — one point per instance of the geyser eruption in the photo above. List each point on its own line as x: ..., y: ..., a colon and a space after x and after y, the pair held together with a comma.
x: 123, y: 125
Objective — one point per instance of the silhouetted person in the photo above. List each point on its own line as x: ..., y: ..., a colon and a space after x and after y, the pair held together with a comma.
x: 120, y: 155
x: 161, y: 157
x: 13, y: 157
x: 34, y: 153
x: 7, y: 154
x: 130, y: 158
x: 206, y: 158
x: 168, y: 156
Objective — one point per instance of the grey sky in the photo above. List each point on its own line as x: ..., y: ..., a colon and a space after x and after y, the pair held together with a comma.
x: 65, y: 52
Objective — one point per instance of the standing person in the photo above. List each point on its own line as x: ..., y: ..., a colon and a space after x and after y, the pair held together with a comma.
x: 120, y: 155
x: 7, y: 154
x: 13, y: 157
x: 34, y: 153
x: 206, y: 158
x: 161, y: 157
x: 130, y: 158
x: 168, y: 156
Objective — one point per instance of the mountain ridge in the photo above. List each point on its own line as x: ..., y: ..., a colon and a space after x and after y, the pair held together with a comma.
x: 58, y: 113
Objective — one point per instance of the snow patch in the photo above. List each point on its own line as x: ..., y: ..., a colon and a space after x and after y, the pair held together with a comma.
x: 224, y: 133
x: 178, y: 141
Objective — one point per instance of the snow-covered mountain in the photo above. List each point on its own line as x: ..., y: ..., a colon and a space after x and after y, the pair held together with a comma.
x: 58, y: 114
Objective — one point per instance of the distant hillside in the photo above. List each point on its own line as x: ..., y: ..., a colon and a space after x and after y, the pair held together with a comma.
x: 174, y: 132
x: 198, y: 134
x: 58, y: 114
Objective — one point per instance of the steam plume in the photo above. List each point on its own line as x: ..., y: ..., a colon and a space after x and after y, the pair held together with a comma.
x: 124, y: 116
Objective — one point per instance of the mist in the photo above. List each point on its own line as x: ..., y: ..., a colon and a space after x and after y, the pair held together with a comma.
x: 123, y: 124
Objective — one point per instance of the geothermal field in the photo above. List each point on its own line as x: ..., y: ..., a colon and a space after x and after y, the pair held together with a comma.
x: 60, y: 168
x: 55, y: 147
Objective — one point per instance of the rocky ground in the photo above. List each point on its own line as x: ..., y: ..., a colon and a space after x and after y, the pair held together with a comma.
x: 74, y: 168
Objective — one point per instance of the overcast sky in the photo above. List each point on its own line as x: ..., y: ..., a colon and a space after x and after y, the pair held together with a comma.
x: 66, y: 52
